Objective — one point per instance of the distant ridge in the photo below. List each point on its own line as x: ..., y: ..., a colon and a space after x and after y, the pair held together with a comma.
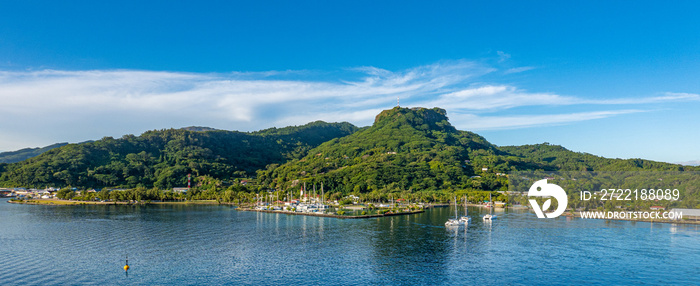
x: 199, y: 128
x: 26, y: 153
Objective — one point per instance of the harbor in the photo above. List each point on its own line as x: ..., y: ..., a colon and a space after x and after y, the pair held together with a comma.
x: 322, y: 214
x: 313, y: 203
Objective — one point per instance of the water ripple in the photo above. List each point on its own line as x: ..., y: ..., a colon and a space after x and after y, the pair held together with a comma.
x: 194, y: 245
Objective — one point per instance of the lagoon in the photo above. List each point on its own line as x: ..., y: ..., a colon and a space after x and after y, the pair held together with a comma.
x: 212, y: 244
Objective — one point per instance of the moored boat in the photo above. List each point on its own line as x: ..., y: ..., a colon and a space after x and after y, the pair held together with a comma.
x: 490, y: 216
x: 454, y: 221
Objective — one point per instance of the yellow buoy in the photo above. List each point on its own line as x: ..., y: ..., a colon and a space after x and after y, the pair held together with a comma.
x: 126, y: 267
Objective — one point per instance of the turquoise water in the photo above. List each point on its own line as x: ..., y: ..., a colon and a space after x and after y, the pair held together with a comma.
x: 217, y: 245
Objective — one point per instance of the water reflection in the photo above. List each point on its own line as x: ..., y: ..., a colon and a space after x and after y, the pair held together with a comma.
x: 410, y: 252
x: 320, y: 227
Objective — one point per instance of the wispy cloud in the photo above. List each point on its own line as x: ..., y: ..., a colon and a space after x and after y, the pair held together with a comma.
x: 502, y: 56
x: 493, y: 97
x: 518, y: 70
x: 475, y: 122
x: 80, y: 105
x: 666, y: 97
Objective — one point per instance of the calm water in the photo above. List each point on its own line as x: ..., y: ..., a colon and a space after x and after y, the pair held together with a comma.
x: 188, y: 245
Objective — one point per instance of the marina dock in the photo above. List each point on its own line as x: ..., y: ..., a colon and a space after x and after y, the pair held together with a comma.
x: 332, y: 215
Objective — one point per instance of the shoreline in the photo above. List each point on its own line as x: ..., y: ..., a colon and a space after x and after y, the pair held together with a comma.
x: 59, y: 202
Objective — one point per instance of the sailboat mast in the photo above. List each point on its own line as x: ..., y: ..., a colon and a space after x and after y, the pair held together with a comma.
x: 466, y: 211
x: 455, y: 207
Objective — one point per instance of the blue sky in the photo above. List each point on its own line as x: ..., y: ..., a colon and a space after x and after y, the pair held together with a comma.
x: 616, y: 79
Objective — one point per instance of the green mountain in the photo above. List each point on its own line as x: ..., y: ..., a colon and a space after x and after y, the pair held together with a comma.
x: 163, y: 158
x: 404, y: 150
x: 26, y: 153
x: 417, y: 150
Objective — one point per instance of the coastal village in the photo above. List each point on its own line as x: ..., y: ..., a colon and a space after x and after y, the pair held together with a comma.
x: 21, y: 193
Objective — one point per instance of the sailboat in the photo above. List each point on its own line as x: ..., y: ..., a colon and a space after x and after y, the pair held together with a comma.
x: 490, y: 216
x: 454, y: 221
x: 466, y: 219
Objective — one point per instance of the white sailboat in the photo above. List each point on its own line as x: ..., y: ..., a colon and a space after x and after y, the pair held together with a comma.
x: 490, y: 216
x: 454, y: 221
x: 466, y: 219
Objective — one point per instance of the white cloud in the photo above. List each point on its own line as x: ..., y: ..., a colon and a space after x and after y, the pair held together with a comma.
x: 498, y: 97
x: 475, y: 122
x: 518, y: 70
x: 58, y: 106
x: 667, y: 97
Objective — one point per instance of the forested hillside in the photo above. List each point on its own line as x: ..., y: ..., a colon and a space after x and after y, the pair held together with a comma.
x: 404, y: 150
x: 163, y: 158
